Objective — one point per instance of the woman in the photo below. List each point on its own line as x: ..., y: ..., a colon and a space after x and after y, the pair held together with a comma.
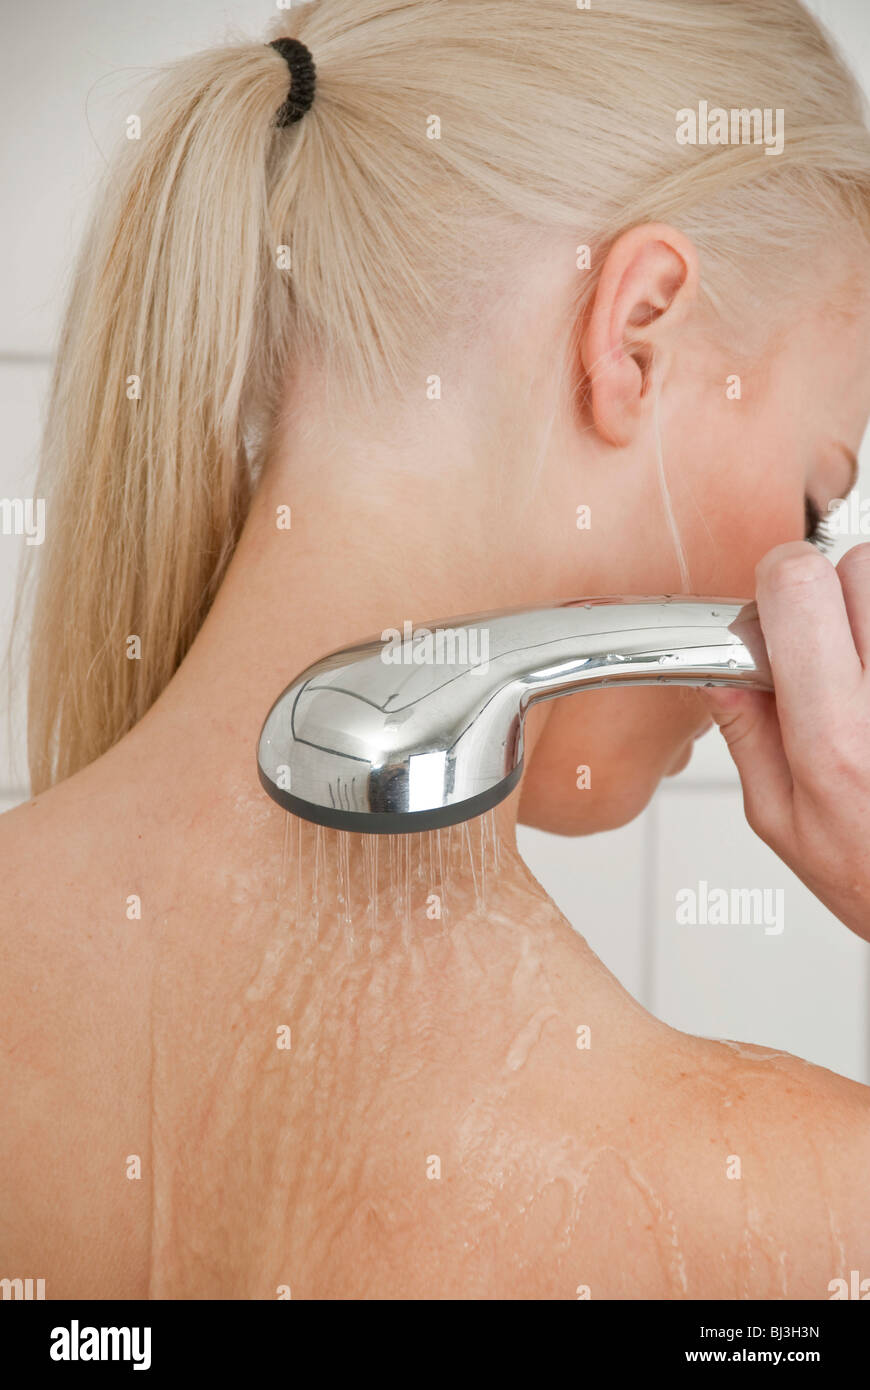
x: 337, y: 362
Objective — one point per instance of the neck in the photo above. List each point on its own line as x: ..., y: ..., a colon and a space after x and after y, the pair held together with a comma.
x: 461, y: 901
x: 357, y: 558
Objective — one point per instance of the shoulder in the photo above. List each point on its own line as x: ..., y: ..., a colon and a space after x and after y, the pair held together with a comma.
x: 791, y: 1197
x: 716, y: 1171
x: 71, y: 1062
x: 43, y: 914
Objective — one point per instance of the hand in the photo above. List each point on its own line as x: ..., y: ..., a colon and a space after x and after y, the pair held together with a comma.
x: 803, y: 754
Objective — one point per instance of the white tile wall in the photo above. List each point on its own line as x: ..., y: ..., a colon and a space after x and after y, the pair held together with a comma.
x: 802, y: 990
x: 66, y: 73
x: 23, y: 386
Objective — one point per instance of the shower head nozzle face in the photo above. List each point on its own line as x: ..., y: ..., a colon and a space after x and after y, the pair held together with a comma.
x: 390, y: 820
x: 426, y: 729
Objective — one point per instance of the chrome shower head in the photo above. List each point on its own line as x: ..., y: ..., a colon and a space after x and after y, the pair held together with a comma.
x: 424, y: 728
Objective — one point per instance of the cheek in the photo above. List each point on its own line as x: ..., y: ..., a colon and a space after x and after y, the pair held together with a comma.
x: 600, y: 756
x: 725, y: 567
x: 746, y: 498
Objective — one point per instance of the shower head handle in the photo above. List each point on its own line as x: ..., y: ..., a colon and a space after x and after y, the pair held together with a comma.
x: 424, y: 728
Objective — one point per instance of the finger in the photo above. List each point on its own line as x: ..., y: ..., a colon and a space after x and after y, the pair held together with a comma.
x: 749, y: 724
x: 813, y: 657
x: 853, y: 572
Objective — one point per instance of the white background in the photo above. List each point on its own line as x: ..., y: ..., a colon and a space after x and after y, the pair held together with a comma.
x: 66, y: 75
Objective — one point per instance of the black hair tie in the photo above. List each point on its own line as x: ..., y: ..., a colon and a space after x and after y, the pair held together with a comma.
x: 303, y: 76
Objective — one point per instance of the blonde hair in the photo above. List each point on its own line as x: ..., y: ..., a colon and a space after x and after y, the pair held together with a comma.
x: 551, y: 118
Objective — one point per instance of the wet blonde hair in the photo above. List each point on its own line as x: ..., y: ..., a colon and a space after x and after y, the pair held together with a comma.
x: 551, y: 118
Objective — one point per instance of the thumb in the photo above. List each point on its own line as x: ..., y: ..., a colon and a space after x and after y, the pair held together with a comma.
x: 748, y: 722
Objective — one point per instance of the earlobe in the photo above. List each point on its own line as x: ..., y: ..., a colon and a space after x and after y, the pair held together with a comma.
x: 646, y: 286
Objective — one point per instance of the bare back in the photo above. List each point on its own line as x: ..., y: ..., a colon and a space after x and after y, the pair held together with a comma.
x: 231, y: 1096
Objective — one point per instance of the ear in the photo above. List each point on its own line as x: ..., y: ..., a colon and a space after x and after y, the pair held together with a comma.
x: 648, y: 282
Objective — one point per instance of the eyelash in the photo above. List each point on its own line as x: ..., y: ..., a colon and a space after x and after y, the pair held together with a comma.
x: 818, y: 528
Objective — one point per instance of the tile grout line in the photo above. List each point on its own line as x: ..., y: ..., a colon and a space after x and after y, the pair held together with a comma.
x: 26, y: 359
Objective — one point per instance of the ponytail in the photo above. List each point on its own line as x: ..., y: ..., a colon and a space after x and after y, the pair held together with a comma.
x: 146, y: 461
